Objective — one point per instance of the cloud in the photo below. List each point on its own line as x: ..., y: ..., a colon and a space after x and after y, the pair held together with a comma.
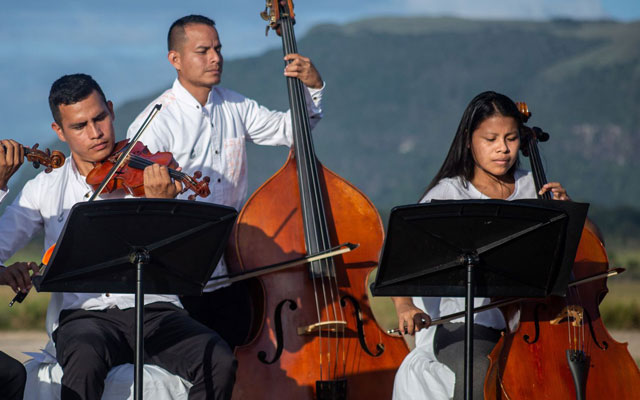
x: 507, y: 9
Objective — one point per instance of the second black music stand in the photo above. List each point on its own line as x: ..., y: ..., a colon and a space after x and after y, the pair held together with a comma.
x: 484, y: 248
x: 141, y: 246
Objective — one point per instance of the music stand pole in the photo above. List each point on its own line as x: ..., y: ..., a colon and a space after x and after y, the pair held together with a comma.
x: 471, y: 260
x: 140, y: 258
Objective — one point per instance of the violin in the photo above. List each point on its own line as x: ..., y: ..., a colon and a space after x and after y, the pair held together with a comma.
x: 558, y: 347
x: 130, y: 176
x: 50, y: 159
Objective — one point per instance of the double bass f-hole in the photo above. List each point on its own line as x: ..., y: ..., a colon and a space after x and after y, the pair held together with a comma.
x: 357, y: 313
x: 277, y: 318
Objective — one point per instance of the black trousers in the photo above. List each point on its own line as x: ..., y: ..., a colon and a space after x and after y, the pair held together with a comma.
x: 90, y: 343
x: 226, y: 311
x: 448, y: 345
x: 12, y: 378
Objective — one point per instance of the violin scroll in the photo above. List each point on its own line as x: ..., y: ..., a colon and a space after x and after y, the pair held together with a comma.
x: 199, y: 188
x: 50, y: 159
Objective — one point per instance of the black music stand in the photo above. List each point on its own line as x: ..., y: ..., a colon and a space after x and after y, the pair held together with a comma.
x: 149, y: 246
x: 485, y: 248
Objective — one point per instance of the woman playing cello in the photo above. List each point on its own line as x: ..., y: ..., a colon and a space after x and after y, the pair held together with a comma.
x: 482, y: 163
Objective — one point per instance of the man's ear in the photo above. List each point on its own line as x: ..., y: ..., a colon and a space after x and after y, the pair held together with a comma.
x: 174, y: 59
x: 110, y: 107
x: 58, y: 130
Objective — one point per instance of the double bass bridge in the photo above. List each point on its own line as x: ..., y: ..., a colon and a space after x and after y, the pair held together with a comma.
x: 324, y: 326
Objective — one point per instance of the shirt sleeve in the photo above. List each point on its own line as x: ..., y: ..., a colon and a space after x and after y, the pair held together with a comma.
x: 20, y: 221
x: 274, y: 127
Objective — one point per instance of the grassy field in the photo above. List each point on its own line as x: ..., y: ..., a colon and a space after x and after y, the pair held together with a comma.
x: 620, y: 308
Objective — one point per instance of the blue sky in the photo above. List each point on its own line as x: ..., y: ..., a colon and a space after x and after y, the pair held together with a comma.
x: 122, y: 42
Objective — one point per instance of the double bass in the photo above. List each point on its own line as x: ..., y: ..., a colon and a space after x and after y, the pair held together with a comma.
x: 313, y: 332
x: 558, y: 347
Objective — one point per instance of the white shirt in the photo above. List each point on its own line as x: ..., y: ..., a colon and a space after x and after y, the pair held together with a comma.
x: 420, y: 375
x: 211, y: 139
x: 44, y: 202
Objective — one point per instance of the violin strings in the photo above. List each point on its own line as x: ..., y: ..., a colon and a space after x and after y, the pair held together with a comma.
x: 141, y: 162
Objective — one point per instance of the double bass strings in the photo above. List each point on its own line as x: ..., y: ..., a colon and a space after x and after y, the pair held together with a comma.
x: 317, y: 227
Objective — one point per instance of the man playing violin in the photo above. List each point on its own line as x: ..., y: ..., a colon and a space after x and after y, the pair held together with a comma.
x: 94, y: 332
x: 206, y: 127
x: 12, y: 373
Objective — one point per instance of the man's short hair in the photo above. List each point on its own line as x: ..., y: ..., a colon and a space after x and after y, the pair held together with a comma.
x: 176, y: 32
x: 71, y: 89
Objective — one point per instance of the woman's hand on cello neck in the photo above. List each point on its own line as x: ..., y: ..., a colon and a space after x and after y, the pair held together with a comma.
x: 410, y: 318
x: 556, y: 189
x: 560, y: 193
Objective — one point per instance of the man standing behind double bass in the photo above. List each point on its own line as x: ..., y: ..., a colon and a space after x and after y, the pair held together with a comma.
x: 206, y: 126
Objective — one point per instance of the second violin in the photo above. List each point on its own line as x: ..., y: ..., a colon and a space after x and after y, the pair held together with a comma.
x: 50, y: 159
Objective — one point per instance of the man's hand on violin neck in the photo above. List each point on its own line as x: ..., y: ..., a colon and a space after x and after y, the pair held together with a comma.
x: 11, y: 157
x: 158, y: 184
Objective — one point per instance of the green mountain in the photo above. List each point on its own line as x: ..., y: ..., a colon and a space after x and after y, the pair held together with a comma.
x: 396, y: 89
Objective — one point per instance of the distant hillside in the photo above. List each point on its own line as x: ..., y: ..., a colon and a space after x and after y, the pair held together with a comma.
x: 396, y: 89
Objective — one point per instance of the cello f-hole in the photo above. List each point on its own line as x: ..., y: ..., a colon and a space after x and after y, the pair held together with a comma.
x: 262, y: 355
x: 605, y: 345
x: 537, y: 325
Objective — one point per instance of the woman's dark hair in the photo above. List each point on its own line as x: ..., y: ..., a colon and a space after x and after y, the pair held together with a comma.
x: 459, y: 161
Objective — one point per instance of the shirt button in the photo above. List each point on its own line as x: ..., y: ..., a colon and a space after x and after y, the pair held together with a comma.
x: 108, y: 294
x: 217, y: 152
x: 198, y: 107
x: 218, y: 180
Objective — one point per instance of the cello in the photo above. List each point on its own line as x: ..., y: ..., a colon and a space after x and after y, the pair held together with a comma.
x: 558, y: 348
x: 313, y: 333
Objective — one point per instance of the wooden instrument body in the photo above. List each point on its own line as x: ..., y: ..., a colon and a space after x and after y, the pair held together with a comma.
x: 558, y: 348
x: 270, y: 229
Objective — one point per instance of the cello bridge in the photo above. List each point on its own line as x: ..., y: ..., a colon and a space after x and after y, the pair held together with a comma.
x: 325, y: 326
x: 573, y: 314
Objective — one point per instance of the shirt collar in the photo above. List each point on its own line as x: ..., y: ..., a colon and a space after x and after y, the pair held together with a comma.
x: 183, y: 95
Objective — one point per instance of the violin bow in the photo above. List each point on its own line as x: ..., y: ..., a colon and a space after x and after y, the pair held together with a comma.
x: 126, y: 151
